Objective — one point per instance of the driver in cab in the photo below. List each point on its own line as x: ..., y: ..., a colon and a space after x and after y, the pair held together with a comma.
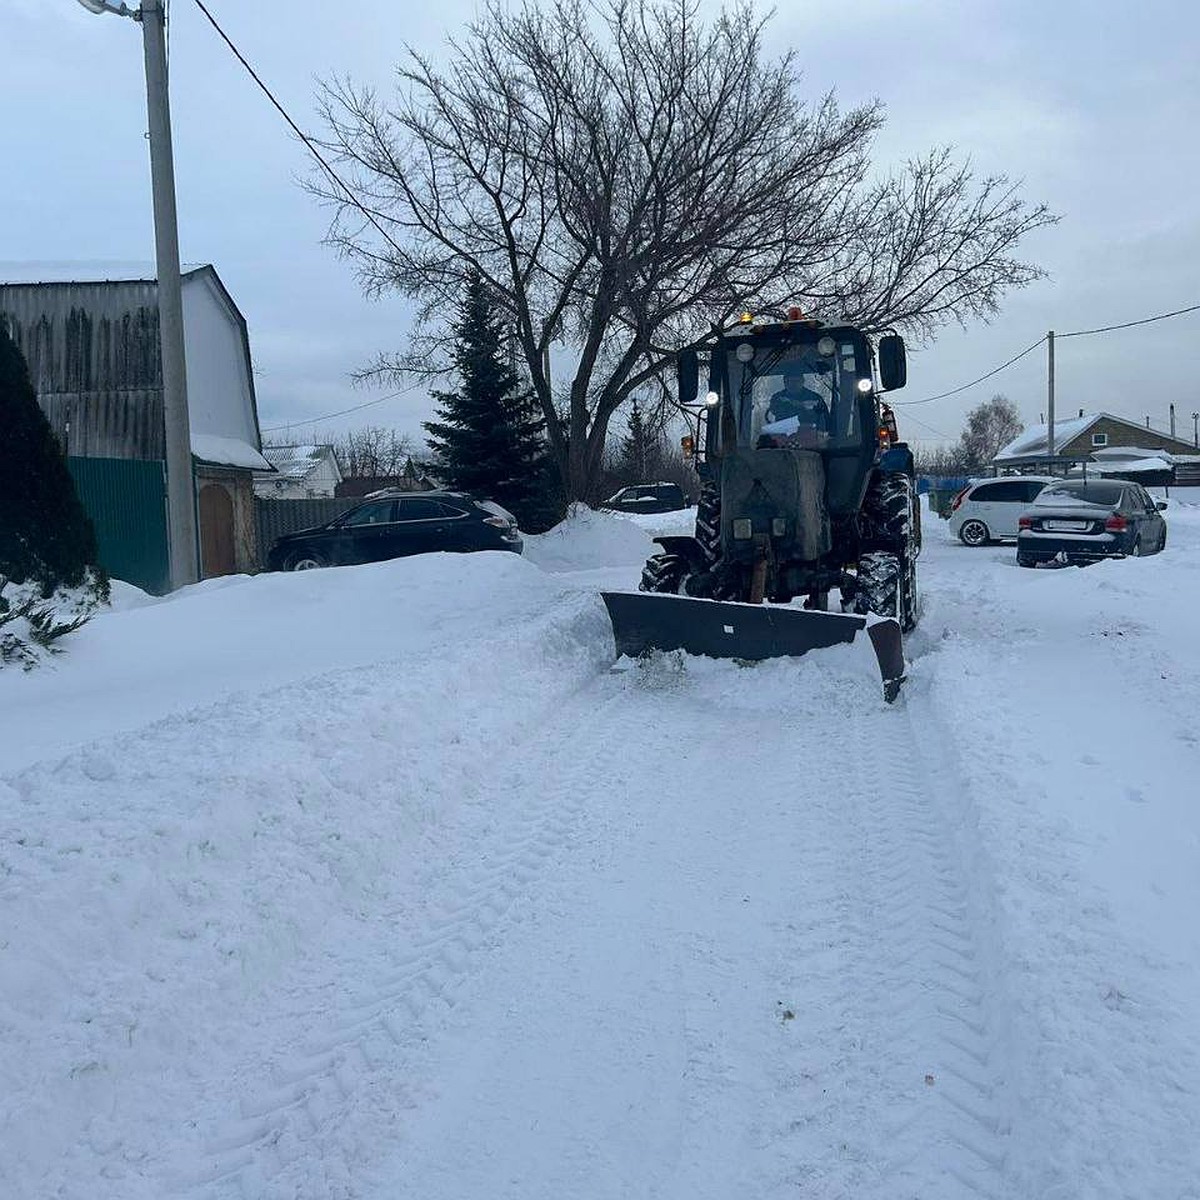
x: 796, y: 410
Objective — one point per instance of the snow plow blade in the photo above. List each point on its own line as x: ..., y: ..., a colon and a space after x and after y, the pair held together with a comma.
x: 644, y: 621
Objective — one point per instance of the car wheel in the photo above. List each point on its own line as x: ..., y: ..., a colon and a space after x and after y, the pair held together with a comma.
x: 1136, y: 552
x: 974, y: 533
x: 305, y: 560
x: 1024, y: 560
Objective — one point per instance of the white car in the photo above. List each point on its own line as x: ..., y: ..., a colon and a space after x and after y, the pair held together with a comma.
x: 988, y: 510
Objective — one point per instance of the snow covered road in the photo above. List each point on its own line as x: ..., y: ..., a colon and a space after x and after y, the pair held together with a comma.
x: 420, y: 900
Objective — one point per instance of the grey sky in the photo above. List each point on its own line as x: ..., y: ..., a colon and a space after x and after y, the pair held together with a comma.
x: 1096, y: 105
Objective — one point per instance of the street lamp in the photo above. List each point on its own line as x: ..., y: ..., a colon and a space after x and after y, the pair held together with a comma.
x: 181, y: 498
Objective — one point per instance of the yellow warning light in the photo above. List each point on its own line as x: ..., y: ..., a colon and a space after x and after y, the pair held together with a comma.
x: 746, y: 318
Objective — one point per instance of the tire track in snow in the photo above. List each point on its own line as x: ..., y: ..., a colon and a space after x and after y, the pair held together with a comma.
x: 923, y: 974
x: 313, y: 1089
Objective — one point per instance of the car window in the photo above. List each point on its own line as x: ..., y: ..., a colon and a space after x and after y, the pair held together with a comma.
x: 999, y: 493
x: 1032, y: 489
x: 415, y: 508
x: 378, y: 513
x: 1074, y: 491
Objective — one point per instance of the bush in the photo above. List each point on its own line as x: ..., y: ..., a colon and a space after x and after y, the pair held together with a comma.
x: 45, y: 536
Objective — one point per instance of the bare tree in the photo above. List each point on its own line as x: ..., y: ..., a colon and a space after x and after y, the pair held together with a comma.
x: 372, y: 451
x: 628, y: 179
x: 990, y: 427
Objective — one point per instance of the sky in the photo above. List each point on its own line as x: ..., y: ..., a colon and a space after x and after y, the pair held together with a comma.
x: 1094, y: 106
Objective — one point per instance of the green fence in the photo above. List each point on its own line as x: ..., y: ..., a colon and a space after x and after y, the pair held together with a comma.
x: 127, y: 501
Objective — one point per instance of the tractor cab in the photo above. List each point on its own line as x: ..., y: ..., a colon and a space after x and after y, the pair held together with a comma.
x: 797, y: 385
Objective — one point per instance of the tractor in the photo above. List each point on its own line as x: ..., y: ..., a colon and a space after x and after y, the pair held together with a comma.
x: 807, y: 526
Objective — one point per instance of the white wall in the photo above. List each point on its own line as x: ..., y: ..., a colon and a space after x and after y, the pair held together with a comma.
x: 220, y: 400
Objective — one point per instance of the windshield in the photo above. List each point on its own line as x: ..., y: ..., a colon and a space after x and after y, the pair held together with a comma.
x: 1105, y: 494
x: 795, y: 395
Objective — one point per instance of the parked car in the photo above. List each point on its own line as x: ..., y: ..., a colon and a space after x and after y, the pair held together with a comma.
x: 1082, y: 520
x: 648, y: 498
x: 393, y: 525
x: 987, y: 510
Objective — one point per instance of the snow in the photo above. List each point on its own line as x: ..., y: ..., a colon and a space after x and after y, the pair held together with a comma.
x: 227, y: 452
x: 377, y: 882
x: 1035, y: 440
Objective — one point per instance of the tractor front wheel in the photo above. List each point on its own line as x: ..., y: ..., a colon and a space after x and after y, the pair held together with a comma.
x: 887, y: 587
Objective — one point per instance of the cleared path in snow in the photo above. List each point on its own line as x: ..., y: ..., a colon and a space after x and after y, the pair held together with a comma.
x: 722, y: 943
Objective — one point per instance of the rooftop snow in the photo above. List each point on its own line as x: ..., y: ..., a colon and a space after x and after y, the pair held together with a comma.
x: 294, y: 462
x: 86, y: 271
x: 1032, y: 443
x: 227, y: 452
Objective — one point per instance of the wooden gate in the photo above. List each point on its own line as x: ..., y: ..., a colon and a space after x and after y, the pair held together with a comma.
x: 216, y: 531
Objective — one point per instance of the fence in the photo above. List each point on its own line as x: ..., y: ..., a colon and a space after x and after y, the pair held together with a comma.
x: 274, y: 518
x: 126, y: 500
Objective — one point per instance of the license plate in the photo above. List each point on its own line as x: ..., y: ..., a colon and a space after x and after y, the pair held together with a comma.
x: 1067, y: 526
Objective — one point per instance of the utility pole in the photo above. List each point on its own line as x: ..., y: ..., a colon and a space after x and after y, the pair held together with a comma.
x: 1050, y: 394
x: 181, y: 491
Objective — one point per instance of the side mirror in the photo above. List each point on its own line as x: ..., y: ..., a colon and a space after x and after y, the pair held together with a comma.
x: 687, y: 366
x: 893, y: 367
x: 1161, y: 505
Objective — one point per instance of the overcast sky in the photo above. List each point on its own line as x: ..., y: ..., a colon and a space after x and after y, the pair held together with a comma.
x: 1095, y: 105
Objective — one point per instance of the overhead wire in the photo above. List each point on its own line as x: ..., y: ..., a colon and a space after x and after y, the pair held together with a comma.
x: 310, y: 145
x: 1178, y: 312
x: 343, y: 412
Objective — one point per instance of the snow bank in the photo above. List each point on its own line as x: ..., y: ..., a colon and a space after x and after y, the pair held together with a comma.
x: 589, y: 540
x: 306, y: 753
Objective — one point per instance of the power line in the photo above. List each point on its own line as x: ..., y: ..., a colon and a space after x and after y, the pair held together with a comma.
x: 925, y: 425
x: 963, y: 388
x: 308, y: 142
x: 1178, y: 312
x: 1130, y: 324
x: 342, y: 412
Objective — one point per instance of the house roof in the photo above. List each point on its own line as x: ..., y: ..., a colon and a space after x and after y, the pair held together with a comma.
x: 227, y: 452
x: 297, y: 462
x: 1033, y: 442
x: 22, y: 271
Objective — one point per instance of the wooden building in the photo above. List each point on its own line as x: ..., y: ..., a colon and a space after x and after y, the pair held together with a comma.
x: 91, y: 340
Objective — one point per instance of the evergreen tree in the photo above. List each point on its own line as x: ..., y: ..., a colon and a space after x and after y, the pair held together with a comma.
x: 489, y: 441
x: 641, y: 455
x: 45, y: 536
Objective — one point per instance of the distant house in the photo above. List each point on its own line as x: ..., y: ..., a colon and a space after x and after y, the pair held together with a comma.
x: 91, y: 340
x: 1078, y: 439
x: 414, y: 478
x: 300, y: 473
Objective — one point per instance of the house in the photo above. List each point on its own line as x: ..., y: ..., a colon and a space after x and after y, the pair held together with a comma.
x: 90, y: 337
x: 413, y: 478
x: 1078, y: 439
x: 300, y: 473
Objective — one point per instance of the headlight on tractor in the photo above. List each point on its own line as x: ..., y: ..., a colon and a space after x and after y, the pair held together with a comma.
x: 778, y: 526
x: 743, y: 529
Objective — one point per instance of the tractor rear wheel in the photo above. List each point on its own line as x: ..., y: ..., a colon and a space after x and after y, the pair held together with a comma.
x: 887, y: 587
x: 708, y: 520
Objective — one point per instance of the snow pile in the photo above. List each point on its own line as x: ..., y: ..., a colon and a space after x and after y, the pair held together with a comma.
x: 589, y: 540
x: 377, y: 882
x: 683, y: 521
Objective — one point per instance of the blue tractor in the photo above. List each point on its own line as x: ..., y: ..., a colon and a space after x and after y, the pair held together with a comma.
x: 808, y: 525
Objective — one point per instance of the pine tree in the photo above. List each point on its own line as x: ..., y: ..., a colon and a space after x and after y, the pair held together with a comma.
x: 45, y: 536
x: 641, y: 454
x: 490, y: 441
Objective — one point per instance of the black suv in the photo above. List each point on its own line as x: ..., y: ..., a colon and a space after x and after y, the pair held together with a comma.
x: 393, y: 525
x: 648, y: 498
